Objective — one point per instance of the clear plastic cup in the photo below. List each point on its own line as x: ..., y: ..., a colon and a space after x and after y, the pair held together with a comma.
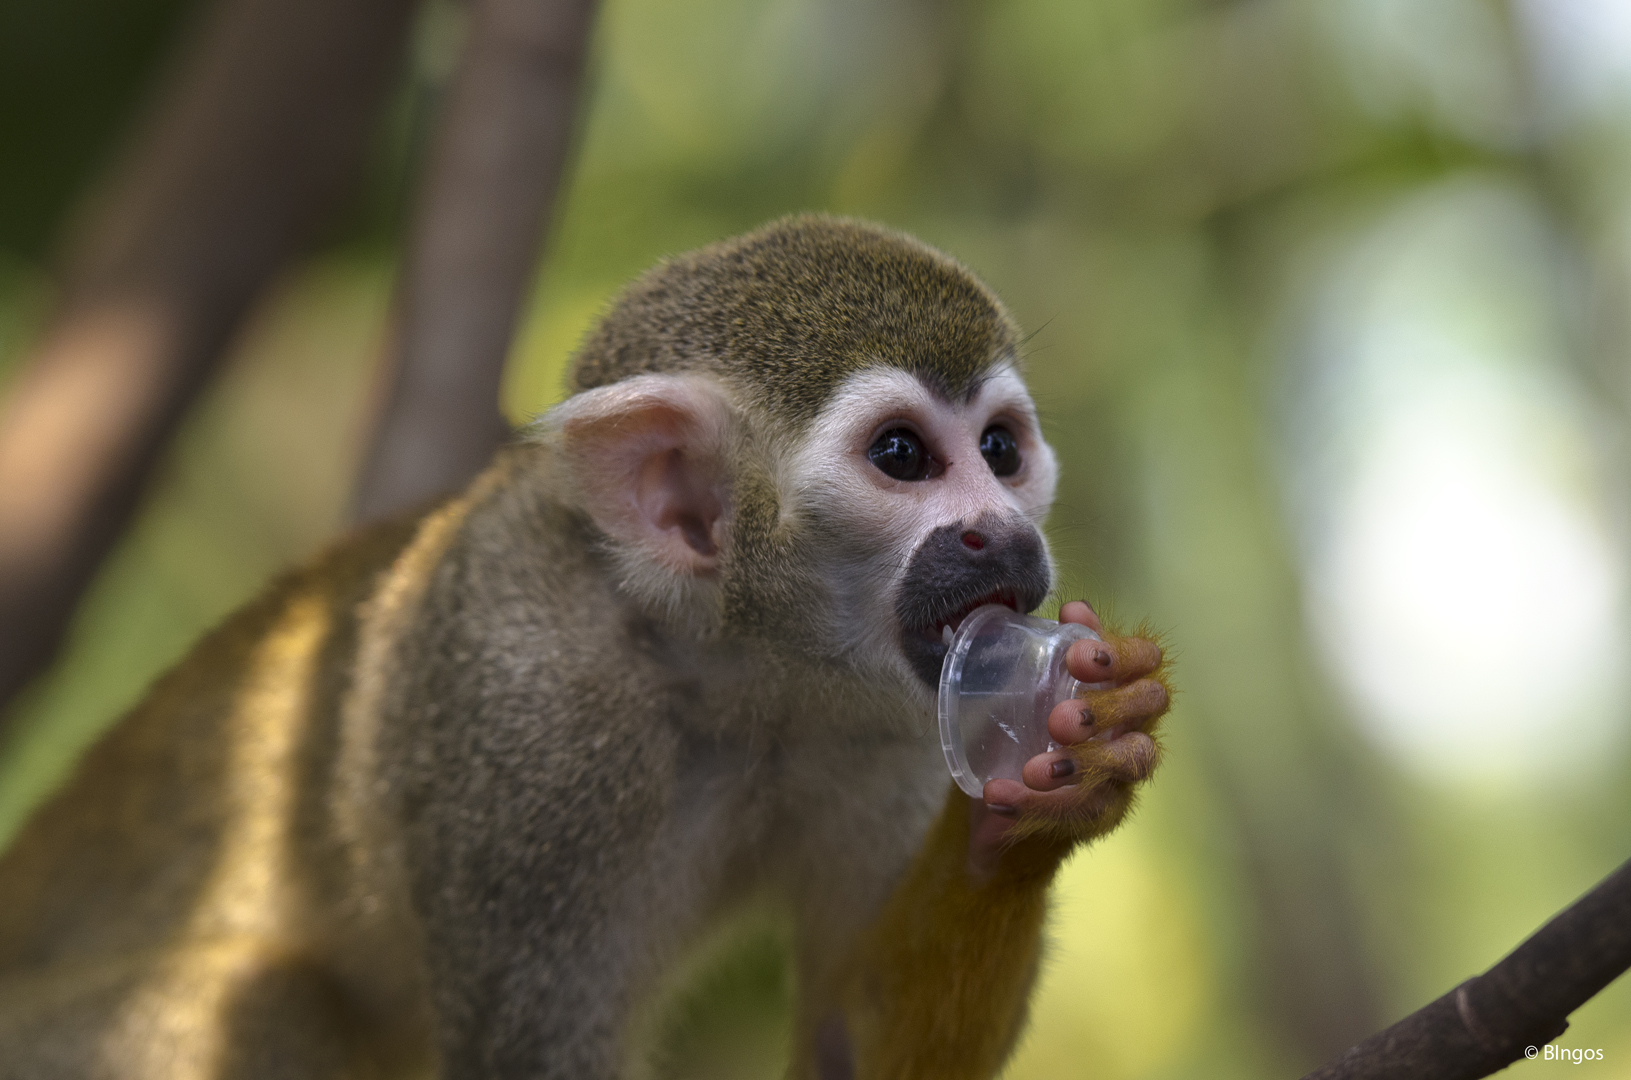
x: 1002, y: 676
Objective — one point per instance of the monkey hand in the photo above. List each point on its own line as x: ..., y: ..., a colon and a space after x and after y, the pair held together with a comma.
x: 1106, y: 746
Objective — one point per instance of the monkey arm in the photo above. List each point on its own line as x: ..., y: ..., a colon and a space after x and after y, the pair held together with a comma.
x: 936, y: 987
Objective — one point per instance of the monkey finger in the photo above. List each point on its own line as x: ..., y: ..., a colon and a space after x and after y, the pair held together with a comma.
x: 1005, y: 797
x: 1107, y: 713
x: 1113, y: 660
x: 1062, y: 804
x: 1077, y: 784
x: 1127, y: 758
x: 1081, y: 612
x: 1046, y: 772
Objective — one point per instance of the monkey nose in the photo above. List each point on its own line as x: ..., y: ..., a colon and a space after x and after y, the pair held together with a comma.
x: 973, y: 541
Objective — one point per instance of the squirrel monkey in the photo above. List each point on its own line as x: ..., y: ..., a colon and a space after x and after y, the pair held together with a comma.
x: 450, y: 800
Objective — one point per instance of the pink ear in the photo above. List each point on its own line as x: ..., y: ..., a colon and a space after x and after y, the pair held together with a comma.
x: 648, y: 457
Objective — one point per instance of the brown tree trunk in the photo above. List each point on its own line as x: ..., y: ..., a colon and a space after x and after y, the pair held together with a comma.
x: 253, y: 143
x: 500, y: 152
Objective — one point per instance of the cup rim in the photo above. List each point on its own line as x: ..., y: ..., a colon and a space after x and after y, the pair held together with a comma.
x: 951, y: 671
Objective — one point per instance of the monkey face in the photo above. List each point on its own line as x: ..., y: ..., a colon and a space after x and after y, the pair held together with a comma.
x: 866, y: 535
x: 931, y: 508
x: 811, y: 443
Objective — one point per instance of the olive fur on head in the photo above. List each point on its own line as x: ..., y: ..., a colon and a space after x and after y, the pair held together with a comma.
x: 787, y: 312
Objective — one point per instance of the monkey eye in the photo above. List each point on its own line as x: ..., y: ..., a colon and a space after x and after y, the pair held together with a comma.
x: 900, y: 453
x: 1000, y: 450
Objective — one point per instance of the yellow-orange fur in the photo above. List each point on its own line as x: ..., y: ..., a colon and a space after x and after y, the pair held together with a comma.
x: 937, y: 987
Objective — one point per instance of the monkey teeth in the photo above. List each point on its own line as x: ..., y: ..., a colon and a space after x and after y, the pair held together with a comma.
x: 945, y: 630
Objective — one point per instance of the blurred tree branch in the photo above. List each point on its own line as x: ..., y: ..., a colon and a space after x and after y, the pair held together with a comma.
x: 255, y: 140
x: 500, y: 151
x: 1487, y: 1022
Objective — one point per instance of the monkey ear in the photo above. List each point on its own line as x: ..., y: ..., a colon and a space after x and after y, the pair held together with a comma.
x: 648, y: 458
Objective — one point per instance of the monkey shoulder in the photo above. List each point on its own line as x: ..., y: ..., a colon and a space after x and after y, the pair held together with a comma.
x: 125, y: 853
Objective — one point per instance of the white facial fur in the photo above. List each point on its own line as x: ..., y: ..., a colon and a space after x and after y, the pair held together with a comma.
x: 880, y: 521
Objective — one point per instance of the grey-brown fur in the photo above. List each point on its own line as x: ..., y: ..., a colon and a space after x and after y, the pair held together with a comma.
x: 618, y: 816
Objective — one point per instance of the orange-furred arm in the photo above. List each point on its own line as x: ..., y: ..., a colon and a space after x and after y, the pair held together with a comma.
x: 937, y: 987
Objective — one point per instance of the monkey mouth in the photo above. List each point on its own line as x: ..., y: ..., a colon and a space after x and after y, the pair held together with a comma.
x: 944, y: 628
x: 927, y: 638
x: 947, y: 579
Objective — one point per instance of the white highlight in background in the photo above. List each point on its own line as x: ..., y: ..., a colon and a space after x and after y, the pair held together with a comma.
x: 1467, y: 599
x: 1460, y: 574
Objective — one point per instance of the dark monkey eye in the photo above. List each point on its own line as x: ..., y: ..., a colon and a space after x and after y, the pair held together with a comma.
x: 900, y: 454
x: 1000, y: 450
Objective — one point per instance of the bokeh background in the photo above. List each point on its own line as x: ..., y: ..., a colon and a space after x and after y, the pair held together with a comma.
x: 1329, y: 302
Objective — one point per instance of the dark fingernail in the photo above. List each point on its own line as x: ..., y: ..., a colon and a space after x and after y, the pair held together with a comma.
x: 1087, y: 716
x: 1062, y: 767
x: 1101, y: 658
x: 1001, y: 808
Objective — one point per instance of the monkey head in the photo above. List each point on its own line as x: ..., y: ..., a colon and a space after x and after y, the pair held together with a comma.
x: 814, y: 434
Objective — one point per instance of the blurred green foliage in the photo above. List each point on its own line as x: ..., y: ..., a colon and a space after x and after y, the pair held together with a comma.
x: 1164, y: 191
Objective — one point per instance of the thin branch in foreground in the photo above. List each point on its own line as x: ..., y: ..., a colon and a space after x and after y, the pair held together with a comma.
x: 260, y: 135
x: 1489, y: 1021
x: 492, y: 177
